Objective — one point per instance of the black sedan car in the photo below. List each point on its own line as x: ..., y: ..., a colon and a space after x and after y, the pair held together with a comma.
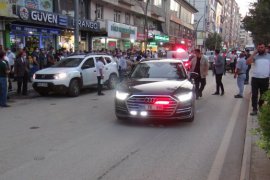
x: 156, y: 89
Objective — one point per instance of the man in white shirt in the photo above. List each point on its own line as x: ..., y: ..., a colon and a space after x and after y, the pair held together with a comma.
x: 260, y: 78
x: 100, y: 74
x: 122, y: 67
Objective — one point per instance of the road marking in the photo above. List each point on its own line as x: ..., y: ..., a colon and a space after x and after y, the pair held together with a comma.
x: 222, y: 151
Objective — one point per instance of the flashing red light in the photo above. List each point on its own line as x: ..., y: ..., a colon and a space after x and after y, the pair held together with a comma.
x: 162, y: 102
x: 180, y: 50
x: 186, y: 64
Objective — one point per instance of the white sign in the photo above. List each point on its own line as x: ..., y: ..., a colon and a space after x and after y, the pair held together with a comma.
x: 121, y: 31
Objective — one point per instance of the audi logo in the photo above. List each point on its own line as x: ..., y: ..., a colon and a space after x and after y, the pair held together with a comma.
x: 149, y: 100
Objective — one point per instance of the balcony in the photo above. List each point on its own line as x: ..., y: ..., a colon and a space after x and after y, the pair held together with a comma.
x: 127, y: 2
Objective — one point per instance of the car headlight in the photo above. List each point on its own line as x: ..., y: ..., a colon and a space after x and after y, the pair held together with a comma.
x: 121, y: 95
x: 34, y: 76
x: 185, y: 97
x: 60, y: 76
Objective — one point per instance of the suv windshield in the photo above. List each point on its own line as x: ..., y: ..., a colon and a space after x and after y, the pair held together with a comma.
x: 69, y: 62
x: 165, y: 70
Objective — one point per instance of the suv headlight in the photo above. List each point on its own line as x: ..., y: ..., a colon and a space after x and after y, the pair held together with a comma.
x: 34, y: 76
x: 60, y: 76
x: 121, y: 95
x: 185, y: 97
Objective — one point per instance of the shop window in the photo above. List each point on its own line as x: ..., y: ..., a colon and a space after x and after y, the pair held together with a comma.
x: 99, y: 11
x: 117, y: 16
x: 89, y: 62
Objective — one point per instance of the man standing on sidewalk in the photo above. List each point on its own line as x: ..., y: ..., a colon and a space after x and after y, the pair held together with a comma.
x: 100, y: 75
x: 260, y: 78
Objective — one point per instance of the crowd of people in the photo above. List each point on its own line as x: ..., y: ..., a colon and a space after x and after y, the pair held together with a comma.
x: 22, y: 65
x: 240, y: 66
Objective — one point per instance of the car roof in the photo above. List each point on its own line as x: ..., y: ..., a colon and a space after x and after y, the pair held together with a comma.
x: 86, y: 55
x: 163, y: 60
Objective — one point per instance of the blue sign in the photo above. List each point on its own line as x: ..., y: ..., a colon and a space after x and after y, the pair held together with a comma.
x: 15, y: 27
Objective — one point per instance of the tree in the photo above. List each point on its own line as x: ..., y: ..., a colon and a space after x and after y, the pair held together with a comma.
x: 213, y: 41
x: 257, y: 22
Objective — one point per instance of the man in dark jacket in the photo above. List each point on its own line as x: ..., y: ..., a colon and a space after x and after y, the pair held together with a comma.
x: 219, y: 70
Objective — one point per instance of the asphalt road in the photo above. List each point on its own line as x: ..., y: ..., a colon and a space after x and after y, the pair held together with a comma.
x: 62, y: 138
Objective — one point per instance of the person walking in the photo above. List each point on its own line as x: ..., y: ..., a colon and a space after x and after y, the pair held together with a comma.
x: 248, y: 68
x: 122, y: 66
x: 100, y: 75
x: 260, y: 78
x: 200, y: 65
x: 218, y: 71
x: 3, y: 80
x: 21, y: 71
x: 240, y: 73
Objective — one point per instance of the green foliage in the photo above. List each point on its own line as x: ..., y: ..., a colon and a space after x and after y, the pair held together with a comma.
x: 213, y: 41
x: 264, y: 124
x: 257, y: 22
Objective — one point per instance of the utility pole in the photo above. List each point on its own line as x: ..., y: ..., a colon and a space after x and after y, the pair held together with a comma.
x: 146, y: 27
x: 76, y: 32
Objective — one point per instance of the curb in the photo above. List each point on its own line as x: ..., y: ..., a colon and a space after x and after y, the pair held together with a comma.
x: 246, y: 161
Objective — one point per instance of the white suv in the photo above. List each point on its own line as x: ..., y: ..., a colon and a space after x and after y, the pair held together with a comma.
x: 73, y: 73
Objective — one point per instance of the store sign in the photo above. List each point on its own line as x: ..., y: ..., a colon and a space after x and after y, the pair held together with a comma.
x: 87, y: 24
x: 161, y: 38
x: 124, y: 31
x: 27, y: 29
x: 42, y: 17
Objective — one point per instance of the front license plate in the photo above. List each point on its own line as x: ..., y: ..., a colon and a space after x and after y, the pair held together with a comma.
x: 42, y: 84
x: 153, y: 107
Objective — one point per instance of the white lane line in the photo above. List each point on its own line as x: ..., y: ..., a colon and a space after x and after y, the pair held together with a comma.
x: 222, y: 151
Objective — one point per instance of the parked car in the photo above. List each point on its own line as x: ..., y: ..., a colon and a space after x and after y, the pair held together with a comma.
x: 156, y: 90
x: 74, y: 73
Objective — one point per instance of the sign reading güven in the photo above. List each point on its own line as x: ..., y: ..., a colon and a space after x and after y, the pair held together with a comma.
x: 56, y: 19
x: 42, y: 17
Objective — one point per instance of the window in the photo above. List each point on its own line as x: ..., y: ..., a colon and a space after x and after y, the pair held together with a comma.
x: 117, y: 16
x: 157, y: 3
x: 175, y: 6
x: 108, y: 60
x: 127, y: 18
x: 99, y: 11
x: 89, y: 63
x: 67, y: 7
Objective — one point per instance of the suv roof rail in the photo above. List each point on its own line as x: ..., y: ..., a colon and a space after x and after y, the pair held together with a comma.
x: 75, y: 54
x: 96, y: 54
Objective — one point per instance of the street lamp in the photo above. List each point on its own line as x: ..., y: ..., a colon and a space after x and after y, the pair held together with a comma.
x: 76, y: 32
x: 145, y: 25
x: 196, y: 28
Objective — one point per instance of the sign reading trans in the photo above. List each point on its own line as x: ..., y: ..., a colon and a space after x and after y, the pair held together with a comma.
x: 42, y: 17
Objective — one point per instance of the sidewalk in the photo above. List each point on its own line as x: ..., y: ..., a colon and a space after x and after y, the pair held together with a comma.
x: 255, y: 164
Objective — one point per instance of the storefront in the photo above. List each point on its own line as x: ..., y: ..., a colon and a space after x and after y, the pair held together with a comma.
x: 45, y: 29
x: 157, y: 42
x: 119, y: 36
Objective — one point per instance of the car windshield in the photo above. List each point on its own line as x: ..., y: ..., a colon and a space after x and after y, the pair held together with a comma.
x: 165, y: 70
x: 69, y: 62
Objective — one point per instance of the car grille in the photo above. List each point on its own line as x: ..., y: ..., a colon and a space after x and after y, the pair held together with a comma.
x: 44, y: 76
x: 136, y: 102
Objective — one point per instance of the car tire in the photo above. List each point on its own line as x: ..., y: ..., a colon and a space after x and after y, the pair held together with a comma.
x: 112, y: 81
x: 74, y: 88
